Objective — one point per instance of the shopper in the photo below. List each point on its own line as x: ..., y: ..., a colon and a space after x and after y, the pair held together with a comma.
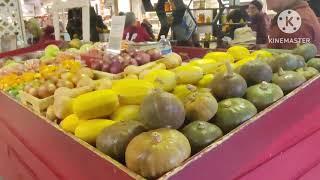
x: 235, y: 16
x: 185, y: 33
x: 148, y: 27
x: 33, y: 31
x: 315, y: 5
x: 309, y: 30
x: 48, y: 34
x: 258, y: 22
x: 165, y: 27
x: 74, y: 26
x: 133, y: 30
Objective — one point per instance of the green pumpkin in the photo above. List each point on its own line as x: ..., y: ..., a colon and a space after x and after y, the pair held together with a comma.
x: 315, y: 63
x: 308, y: 72
x: 201, y: 134
x: 233, y: 112
x: 161, y: 109
x: 288, y: 80
x: 300, y: 61
x: 272, y: 62
x: 256, y: 71
x: 114, y: 139
x: 151, y: 154
x: 201, y: 106
x: 308, y: 51
x: 287, y: 61
x: 228, y: 85
x: 264, y: 94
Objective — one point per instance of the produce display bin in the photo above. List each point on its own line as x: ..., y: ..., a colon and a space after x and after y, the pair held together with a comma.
x: 34, y: 148
x: 32, y: 48
x: 266, y: 147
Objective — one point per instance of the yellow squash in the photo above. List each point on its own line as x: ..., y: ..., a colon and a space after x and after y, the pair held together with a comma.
x: 70, y: 123
x: 163, y: 79
x: 219, y: 57
x: 89, y: 130
x: 188, y: 74
x: 208, y: 66
x: 132, y: 91
x: 262, y: 54
x: 238, y: 52
x: 126, y: 113
x: 95, y: 104
x: 205, y: 81
x: 183, y: 91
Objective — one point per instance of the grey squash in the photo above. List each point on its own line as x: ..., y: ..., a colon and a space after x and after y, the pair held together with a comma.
x: 288, y: 80
x: 308, y: 72
x: 315, y: 63
x: 228, y: 85
x: 308, y: 51
x: 201, y: 134
x: 255, y: 72
x: 114, y: 139
x: 264, y: 94
x: 233, y: 112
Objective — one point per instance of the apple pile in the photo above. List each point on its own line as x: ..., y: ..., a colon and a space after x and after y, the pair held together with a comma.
x: 101, y: 61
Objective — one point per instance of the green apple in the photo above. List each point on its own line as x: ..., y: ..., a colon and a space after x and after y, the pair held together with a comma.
x: 85, y: 48
x: 51, y: 50
x: 75, y: 43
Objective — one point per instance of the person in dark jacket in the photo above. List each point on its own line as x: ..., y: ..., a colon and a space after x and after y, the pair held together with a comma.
x: 148, y: 27
x: 234, y: 16
x: 165, y: 27
x: 178, y: 12
x: 74, y: 26
x: 315, y: 6
x: 258, y: 21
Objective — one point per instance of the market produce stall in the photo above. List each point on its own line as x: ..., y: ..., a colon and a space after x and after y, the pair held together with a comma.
x: 70, y: 147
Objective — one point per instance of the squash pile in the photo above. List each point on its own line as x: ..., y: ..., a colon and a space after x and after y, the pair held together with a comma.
x: 154, y: 119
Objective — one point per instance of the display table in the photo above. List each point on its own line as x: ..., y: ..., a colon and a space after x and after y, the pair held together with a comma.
x: 35, y: 47
x: 282, y: 144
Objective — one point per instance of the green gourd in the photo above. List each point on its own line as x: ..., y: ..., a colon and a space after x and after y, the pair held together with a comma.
x: 201, y: 134
x: 233, y: 112
x: 264, y: 94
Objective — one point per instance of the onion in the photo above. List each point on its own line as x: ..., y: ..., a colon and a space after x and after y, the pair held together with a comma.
x: 51, y: 88
x: 133, y: 62
x: 106, y: 58
x: 154, y: 54
x: 105, y: 67
x: 116, y: 67
x: 142, y: 58
x: 27, y: 87
x: 118, y: 58
x: 68, y: 84
x: 96, y: 66
x: 126, y: 58
x: 66, y: 76
x: 33, y: 92
x: 132, y: 52
x: 43, y: 92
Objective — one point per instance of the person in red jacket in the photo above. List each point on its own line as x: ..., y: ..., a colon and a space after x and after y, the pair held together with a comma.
x: 290, y: 34
x: 133, y: 30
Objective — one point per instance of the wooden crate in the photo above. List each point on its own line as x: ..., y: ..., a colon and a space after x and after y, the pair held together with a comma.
x: 38, y: 105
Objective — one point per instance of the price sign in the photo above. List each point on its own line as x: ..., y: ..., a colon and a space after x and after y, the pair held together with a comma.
x: 116, y: 33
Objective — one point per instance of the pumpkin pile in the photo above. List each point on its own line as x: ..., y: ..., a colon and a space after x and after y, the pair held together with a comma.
x: 153, y: 120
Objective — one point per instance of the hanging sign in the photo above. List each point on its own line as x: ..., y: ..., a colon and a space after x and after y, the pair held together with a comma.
x: 116, y: 33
